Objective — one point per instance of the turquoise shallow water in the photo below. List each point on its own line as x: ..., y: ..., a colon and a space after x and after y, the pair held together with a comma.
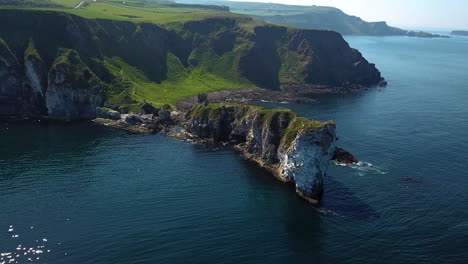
x: 85, y: 194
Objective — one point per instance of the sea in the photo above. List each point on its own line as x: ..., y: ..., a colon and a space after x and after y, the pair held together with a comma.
x: 80, y: 193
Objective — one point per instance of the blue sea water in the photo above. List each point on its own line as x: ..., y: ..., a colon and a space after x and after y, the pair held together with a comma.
x: 80, y: 193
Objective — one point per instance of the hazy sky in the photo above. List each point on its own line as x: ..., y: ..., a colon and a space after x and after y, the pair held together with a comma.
x: 448, y: 14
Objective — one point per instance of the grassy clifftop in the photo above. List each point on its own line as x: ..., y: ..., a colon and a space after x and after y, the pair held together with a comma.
x: 162, y: 52
x: 284, y: 125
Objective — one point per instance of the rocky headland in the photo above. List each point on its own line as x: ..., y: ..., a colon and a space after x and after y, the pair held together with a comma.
x: 294, y: 149
x: 134, y: 76
x: 92, y: 62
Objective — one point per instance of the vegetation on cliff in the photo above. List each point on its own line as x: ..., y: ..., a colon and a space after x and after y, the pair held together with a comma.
x: 294, y: 149
x: 68, y: 63
x: 165, y: 52
x: 291, y: 125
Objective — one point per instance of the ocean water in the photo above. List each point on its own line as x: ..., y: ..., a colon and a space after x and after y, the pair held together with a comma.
x: 81, y: 193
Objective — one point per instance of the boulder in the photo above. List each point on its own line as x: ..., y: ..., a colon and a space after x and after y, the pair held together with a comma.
x: 106, y: 113
x: 133, y: 120
x: 202, y: 98
x: 165, y: 114
x: 148, y: 109
x: 342, y: 156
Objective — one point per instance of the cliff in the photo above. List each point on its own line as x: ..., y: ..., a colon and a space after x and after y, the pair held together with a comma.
x: 313, y: 17
x: 296, y: 150
x: 125, y: 62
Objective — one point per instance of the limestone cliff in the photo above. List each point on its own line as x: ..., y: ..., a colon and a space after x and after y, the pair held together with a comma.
x: 34, y: 83
x: 296, y: 150
x: 69, y: 90
x: 73, y: 90
x: 131, y: 62
x: 10, y: 81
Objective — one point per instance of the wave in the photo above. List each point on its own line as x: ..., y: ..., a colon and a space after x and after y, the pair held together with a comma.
x: 363, y: 167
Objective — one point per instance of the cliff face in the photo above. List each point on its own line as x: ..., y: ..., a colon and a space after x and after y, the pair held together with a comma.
x: 74, y: 92
x: 10, y: 81
x: 328, y: 59
x: 296, y: 150
x: 68, y: 91
x: 124, y: 63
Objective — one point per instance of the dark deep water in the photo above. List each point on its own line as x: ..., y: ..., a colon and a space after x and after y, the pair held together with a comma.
x: 85, y: 194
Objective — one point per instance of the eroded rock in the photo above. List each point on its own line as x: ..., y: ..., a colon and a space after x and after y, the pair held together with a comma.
x: 293, y: 148
x: 342, y: 156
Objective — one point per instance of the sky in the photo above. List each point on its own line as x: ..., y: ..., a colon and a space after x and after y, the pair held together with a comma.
x: 422, y: 14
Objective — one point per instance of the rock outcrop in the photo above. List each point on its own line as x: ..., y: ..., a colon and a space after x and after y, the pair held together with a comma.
x: 296, y: 150
x: 137, y: 123
x: 343, y: 157
x: 10, y: 80
x: 69, y: 90
x: 73, y: 91
x: 35, y: 83
x: 106, y: 113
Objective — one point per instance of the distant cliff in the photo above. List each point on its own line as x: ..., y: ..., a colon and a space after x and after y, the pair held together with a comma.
x: 313, y: 17
x: 296, y: 150
x: 459, y: 33
x: 62, y: 66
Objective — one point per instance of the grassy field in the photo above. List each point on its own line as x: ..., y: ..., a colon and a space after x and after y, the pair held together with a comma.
x: 131, y: 84
x: 134, y: 11
x: 181, y: 83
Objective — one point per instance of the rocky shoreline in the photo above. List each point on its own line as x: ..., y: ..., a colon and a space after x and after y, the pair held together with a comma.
x: 297, y: 93
x: 293, y: 149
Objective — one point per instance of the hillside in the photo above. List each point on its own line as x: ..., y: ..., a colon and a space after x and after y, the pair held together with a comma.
x: 122, y: 55
x: 313, y: 17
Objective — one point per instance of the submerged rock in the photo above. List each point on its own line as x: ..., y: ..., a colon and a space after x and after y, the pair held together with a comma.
x: 294, y: 149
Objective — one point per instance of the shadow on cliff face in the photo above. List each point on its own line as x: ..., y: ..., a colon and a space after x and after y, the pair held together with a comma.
x: 339, y: 200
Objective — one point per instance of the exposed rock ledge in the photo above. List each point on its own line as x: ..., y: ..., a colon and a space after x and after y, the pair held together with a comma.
x: 296, y: 150
x: 343, y: 157
x: 150, y: 120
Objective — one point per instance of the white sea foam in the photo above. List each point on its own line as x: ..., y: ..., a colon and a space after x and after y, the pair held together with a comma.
x: 363, y: 167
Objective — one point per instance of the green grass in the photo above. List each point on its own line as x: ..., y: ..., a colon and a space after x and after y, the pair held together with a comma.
x: 300, y: 125
x: 134, y: 11
x: 181, y: 83
x: 4, y: 47
x: 295, y: 125
x: 129, y: 82
x: 32, y: 53
x: 79, y: 75
x: 132, y: 72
